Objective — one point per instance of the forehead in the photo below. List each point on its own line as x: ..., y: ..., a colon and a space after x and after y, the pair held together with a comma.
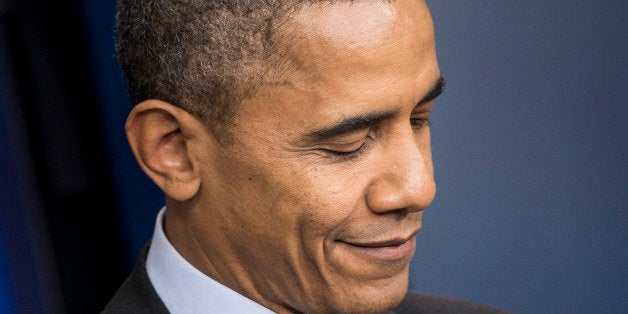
x: 345, y: 25
x: 352, y: 39
x: 350, y: 58
x: 334, y: 32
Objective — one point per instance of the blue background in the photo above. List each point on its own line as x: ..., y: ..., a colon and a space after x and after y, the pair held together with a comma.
x: 530, y: 145
x: 530, y: 148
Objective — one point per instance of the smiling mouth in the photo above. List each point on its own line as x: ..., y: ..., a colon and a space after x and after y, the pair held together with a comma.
x: 387, y: 250
x: 396, y: 242
x: 381, y: 243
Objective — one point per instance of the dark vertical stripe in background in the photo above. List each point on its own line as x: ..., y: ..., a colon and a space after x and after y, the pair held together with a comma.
x: 6, y: 295
x: 30, y: 280
x: 139, y: 199
x: 63, y: 239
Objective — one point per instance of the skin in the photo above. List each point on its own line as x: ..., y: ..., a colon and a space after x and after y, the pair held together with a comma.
x: 299, y: 214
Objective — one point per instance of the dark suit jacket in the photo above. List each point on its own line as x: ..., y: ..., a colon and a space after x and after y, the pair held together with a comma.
x: 137, y: 296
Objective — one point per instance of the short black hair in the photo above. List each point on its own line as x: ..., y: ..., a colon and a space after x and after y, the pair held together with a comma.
x: 204, y: 56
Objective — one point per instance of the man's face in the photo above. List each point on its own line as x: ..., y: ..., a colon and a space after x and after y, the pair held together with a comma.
x: 315, y: 205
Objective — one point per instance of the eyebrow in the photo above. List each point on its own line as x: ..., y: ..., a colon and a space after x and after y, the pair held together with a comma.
x: 437, y: 89
x: 359, y: 122
x: 351, y: 124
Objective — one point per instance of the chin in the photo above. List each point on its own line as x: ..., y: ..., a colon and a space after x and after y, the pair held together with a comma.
x: 379, y: 298
x: 378, y: 304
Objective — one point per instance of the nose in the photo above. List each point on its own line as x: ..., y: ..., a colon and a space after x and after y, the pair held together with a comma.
x: 404, y: 178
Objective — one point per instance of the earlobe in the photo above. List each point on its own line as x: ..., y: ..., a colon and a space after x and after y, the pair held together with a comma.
x: 159, y: 135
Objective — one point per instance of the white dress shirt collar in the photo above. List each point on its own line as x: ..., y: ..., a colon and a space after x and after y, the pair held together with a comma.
x: 183, y: 288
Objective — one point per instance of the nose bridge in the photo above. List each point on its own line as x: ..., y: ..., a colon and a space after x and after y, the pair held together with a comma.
x: 405, y: 179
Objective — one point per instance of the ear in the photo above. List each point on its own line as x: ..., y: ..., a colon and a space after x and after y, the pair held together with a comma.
x: 159, y: 135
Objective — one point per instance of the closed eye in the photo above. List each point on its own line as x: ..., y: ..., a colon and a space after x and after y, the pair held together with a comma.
x: 348, y: 154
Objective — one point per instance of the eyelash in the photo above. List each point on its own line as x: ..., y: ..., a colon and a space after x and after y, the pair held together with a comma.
x: 416, y: 123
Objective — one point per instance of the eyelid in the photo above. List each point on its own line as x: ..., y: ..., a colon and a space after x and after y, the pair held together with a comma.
x: 335, y: 147
x: 420, y: 117
x: 341, y: 144
x: 424, y: 107
x: 348, y: 155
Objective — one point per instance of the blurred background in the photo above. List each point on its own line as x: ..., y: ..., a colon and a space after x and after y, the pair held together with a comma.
x: 530, y: 145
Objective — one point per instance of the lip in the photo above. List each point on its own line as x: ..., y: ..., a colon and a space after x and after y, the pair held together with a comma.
x: 386, y: 250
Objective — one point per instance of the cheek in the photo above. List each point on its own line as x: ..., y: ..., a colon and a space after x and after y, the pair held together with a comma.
x: 317, y: 201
